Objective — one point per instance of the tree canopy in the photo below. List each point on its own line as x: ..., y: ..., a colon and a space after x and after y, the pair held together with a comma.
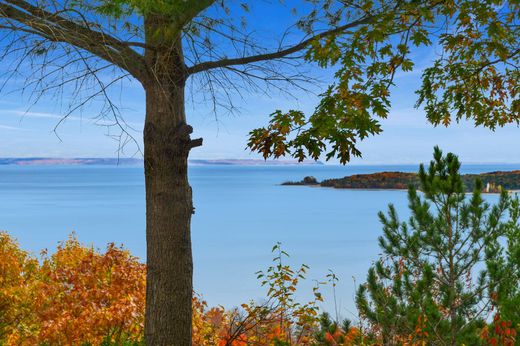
x: 474, y: 74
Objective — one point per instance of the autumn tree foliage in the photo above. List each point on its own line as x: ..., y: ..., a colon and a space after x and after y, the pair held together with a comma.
x: 500, y: 332
x: 81, y: 288
x: 76, y: 296
x: 431, y: 282
x: 18, y: 275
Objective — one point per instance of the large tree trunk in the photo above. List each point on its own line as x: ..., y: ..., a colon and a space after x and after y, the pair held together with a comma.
x: 168, y: 199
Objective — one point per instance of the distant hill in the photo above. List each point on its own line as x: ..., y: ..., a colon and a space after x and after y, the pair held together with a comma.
x: 399, y: 180
x: 47, y: 161
x: 252, y: 162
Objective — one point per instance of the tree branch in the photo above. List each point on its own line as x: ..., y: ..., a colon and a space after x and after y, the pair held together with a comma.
x: 56, y: 28
x: 204, y: 66
x: 190, y: 10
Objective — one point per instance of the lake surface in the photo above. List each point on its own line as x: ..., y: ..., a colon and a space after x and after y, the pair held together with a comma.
x: 241, y: 212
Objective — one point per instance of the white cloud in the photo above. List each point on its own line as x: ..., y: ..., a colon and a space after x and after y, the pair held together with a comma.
x: 58, y: 117
x: 6, y: 127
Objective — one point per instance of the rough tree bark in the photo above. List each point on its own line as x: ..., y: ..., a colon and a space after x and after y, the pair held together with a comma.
x: 168, y: 194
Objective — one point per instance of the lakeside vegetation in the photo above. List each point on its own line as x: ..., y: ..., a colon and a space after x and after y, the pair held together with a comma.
x: 439, y: 280
x: 79, y: 56
x: 493, y: 182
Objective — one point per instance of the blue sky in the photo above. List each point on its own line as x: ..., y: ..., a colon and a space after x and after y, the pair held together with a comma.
x: 407, y: 137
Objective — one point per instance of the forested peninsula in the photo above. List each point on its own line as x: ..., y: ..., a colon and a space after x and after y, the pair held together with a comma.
x: 492, y: 181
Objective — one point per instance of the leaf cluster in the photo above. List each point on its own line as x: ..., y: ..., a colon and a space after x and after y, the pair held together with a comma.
x: 475, y: 78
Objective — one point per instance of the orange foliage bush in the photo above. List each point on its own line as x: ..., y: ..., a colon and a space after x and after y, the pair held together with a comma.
x: 501, y: 333
x: 208, y: 324
x: 18, y: 275
x: 76, y: 296
x: 86, y: 296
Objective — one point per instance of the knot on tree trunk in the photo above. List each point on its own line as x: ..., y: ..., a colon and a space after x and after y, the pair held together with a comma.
x: 176, y: 140
x: 182, y: 136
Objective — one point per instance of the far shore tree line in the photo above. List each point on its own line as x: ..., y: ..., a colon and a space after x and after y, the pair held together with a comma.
x: 493, y: 182
x: 449, y: 275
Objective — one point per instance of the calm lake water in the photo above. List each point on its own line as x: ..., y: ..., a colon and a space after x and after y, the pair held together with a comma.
x: 241, y: 212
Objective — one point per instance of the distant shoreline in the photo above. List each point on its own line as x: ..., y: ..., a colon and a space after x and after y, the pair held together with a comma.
x: 46, y: 161
x: 492, y: 182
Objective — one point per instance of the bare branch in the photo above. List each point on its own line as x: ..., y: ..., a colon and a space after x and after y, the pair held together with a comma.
x: 278, y: 54
x: 22, y: 16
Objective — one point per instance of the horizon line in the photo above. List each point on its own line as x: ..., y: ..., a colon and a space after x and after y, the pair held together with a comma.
x: 317, y: 162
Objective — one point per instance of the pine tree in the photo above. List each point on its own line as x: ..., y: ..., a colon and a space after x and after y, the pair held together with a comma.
x: 503, y: 263
x: 430, y: 283
x: 332, y: 332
